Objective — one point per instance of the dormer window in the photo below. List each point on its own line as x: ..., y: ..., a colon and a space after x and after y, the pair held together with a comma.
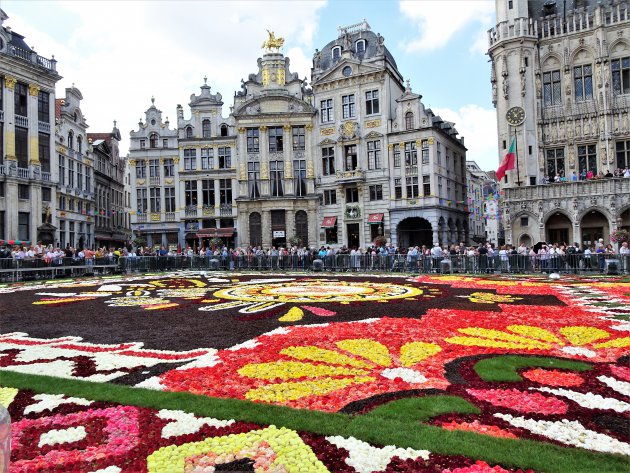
x: 360, y: 46
x: 153, y: 140
x: 224, y: 130
x: 189, y: 132
x: 205, y: 128
x: 336, y: 53
x: 409, y: 122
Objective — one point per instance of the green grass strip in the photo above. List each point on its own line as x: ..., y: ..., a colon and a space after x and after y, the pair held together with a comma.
x: 403, y: 432
x: 422, y: 408
x: 505, y: 368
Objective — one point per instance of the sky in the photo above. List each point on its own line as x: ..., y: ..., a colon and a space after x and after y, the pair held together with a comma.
x: 119, y: 54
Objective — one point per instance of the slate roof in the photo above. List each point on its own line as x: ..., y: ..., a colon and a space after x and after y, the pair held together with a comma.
x: 372, y: 40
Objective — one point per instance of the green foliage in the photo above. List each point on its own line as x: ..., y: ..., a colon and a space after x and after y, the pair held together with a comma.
x: 504, y: 368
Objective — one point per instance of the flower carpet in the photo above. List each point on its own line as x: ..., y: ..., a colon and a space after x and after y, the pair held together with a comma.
x: 202, y: 372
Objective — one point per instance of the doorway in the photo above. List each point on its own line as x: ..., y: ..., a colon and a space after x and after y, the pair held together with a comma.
x: 353, y: 235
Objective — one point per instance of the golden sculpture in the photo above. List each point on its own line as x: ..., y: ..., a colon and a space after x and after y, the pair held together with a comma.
x: 272, y: 42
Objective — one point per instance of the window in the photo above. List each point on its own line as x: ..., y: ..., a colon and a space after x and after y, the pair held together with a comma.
x: 207, y: 192
x: 253, y: 140
x: 411, y: 154
x: 376, y: 192
x: 330, y: 197
x: 79, y: 176
x: 412, y: 187
x: 331, y: 235
x: 225, y: 191
x: 583, y: 82
x: 299, y: 177
x: 551, y: 88
x: 207, y: 159
x: 299, y: 138
x: 154, y: 168
x: 328, y: 161
x: 21, y: 146
x: 398, y: 188
x: 80, y: 144
x: 44, y: 151
x: 205, y: 129
x: 510, y: 4
x: 587, y: 158
x: 555, y: 162
x: 275, y: 134
x: 352, y: 195
x: 46, y: 194
x: 620, y: 75
x: 224, y: 130
x: 23, y: 192
x: 426, y: 186
x: 360, y: 47
x: 154, y: 199
x: 524, y: 221
x: 23, y: 225
x: 336, y: 53
x: 153, y: 140
x: 225, y: 157
x: 409, y: 125
x: 374, y: 154
x: 276, y: 176
x: 169, y: 199
x: 165, y: 143
x: 70, y: 140
x: 326, y: 110
x: 62, y: 203
x: 348, y: 109
x: 189, y: 132
x: 141, y: 200
x: 425, y: 151
x: 371, y: 102
x: 70, y: 173
x: 140, y: 169
x: 169, y: 170
x: 71, y: 233
x: 20, y: 94
x: 190, y: 159
x: 350, y: 157
x: 62, y: 170
x: 623, y: 154
x: 190, y: 193
x: 253, y: 178
x: 43, y: 106
x: 396, y: 156
x: 143, y: 144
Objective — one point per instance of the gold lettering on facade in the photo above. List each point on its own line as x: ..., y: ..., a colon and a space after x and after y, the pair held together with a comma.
x: 372, y: 124
x: 327, y: 131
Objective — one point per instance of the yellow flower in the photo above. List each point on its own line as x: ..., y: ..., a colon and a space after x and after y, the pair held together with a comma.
x: 489, y: 298
x: 527, y: 337
x: 324, y: 371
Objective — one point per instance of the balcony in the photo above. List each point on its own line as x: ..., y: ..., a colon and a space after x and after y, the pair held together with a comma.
x: 43, y: 127
x: 32, y: 56
x: 169, y: 216
x: 207, y: 210
x: 141, y: 217
x: 569, y: 190
x: 226, y: 210
x: 23, y: 173
x: 190, y: 211
x: 154, y: 181
x: 347, y: 177
x: 46, y: 176
x: 21, y: 121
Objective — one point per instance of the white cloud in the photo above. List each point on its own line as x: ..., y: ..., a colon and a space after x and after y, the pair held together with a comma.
x: 478, y: 126
x: 119, y: 54
x: 438, y: 21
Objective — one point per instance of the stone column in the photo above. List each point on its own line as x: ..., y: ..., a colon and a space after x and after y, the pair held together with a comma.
x: 33, y: 128
x: 266, y: 229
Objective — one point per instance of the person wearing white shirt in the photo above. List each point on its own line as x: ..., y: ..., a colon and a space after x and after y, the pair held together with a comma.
x: 624, y: 256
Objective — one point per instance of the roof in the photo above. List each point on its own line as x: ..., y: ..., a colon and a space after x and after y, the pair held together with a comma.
x: 536, y: 8
x: 58, y: 104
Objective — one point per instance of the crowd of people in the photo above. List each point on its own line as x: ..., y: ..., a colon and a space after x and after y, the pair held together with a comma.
x: 585, y: 175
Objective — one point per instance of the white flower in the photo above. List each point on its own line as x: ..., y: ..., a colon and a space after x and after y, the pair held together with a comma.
x: 619, y: 386
x: 53, y: 437
x: 569, y: 433
x: 185, y: 423
x: 406, y: 374
x: 365, y: 458
x: 51, y: 401
x: 109, y: 469
x: 579, y: 351
x: 589, y: 400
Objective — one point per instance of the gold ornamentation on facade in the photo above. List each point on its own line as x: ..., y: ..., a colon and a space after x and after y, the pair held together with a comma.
x: 263, y: 128
x: 33, y: 90
x: 418, y: 143
x: 327, y: 131
x: 390, y: 146
x: 372, y: 124
x: 286, y: 127
x: 242, y: 173
x: 348, y: 128
x: 430, y: 140
x: 265, y: 76
x: 281, y: 76
x: 155, y: 217
x: 241, y: 129
x: 309, y: 127
x: 310, y: 170
x: 10, y: 82
x: 176, y: 160
x: 168, y: 181
x: 140, y: 182
x: 132, y: 162
x: 264, y: 171
x: 272, y: 42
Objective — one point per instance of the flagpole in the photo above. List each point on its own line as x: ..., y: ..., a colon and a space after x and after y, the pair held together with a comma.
x: 518, y: 171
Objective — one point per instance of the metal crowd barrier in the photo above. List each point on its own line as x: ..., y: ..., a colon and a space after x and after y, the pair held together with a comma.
x: 481, y: 264
x: 12, y: 270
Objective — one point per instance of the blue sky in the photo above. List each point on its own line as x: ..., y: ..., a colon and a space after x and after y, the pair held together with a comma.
x: 119, y: 54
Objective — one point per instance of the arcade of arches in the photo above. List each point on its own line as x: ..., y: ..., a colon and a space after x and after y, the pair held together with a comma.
x: 418, y: 231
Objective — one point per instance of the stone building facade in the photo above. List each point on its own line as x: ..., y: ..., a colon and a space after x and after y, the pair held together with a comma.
x: 27, y: 119
x: 567, y: 64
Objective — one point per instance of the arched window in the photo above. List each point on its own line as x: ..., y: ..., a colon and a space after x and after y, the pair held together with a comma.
x: 80, y: 144
x: 224, y: 130
x: 205, y: 129
x: 301, y: 227
x: 189, y: 132
x: 255, y: 229
x: 336, y: 53
x: 360, y: 47
x: 70, y: 140
x: 409, y: 125
x: 153, y: 140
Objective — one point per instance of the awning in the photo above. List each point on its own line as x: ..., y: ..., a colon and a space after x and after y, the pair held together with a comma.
x: 226, y: 232
x: 375, y: 218
x: 329, y: 222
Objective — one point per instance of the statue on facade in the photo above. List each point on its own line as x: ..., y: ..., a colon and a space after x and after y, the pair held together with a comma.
x: 272, y: 42
x: 505, y: 89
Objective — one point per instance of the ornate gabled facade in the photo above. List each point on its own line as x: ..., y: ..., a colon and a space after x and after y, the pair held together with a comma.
x: 370, y: 130
x: 274, y: 117
x: 75, y: 193
x: 112, y: 226
x: 567, y: 65
x: 27, y: 114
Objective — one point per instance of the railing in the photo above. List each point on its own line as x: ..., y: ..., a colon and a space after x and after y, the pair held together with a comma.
x: 31, y: 56
x: 49, y: 268
x: 567, y: 190
x: 141, y: 217
x: 154, y: 181
x: 190, y: 211
x: 19, y: 52
x: 169, y: 216
x: 208, y: 210
x: 23, y: 173
x: 45, y: 176
x: 43, y: 127
x: 21, y: 121
x: 225, y: 210
x: 347, y: 176
x: 478, y: 264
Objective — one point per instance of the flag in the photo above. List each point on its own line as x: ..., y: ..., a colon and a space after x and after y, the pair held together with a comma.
x: 508, y: 162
